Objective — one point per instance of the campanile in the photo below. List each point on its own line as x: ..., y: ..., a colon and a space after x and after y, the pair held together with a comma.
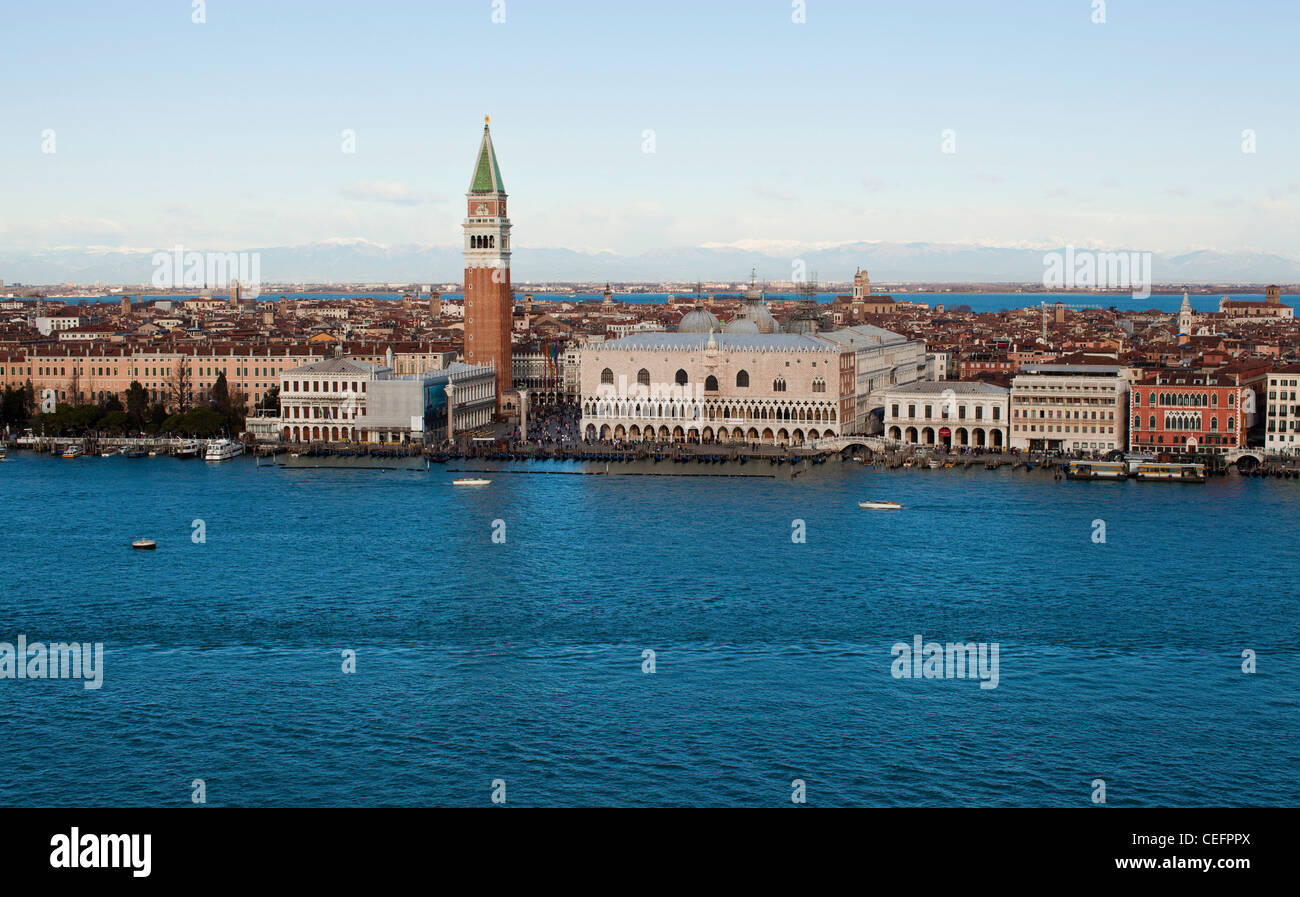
x: 488, y: 306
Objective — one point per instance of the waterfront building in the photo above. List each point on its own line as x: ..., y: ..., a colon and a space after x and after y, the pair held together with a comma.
x: 780, y: 388
x: 775, y: 388
x: 327, y: 401
x: 488, y: 304
x: 881, y: 359
x: 1185, y: 411
x: 1282, y: 432
x: 948, y: 414
x: 349, y: 400
x: 414, y: 408
x: 1070, y: 407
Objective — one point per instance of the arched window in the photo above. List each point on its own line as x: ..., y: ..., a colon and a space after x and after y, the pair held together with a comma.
x: 778, y: 385
x: 1230, y: 399
x: 710, y: 383
x: 1214, y: 400
x: 680, y: 377
x: 1232, y: 422
x: 1214, y: 424
x: 607, y: 376
x: 643, y: 377
x: 742, y: 379
x: 819, y: 385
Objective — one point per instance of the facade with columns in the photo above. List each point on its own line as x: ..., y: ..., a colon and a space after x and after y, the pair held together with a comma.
x: 347, y: 400
x: 327, y: 401
x: 949, y: 414
x: 488, y: 301
x: 775, y: 388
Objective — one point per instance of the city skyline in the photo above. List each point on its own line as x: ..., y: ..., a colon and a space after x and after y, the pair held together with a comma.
x: 803, y: 159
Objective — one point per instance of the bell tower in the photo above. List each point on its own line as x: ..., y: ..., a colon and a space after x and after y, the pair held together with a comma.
x: 488, y: 305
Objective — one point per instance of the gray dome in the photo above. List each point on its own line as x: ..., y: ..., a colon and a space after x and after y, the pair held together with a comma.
x: 698, y: 320
x: 756, y: 310
x: 740, y: 325
x: 803, y: 324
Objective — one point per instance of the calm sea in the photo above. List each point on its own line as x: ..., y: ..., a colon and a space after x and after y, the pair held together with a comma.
x: 978, y: 302
x: 522, y: 660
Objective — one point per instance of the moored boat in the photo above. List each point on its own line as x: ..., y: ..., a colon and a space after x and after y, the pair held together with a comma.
x: 1097, y: 470
x: 223, y: 450
x: 73, y: 451
x: 188, y: 449
x: 1171, y: 473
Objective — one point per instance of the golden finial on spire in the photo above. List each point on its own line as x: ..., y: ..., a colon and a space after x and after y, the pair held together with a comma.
x: 486, y: 119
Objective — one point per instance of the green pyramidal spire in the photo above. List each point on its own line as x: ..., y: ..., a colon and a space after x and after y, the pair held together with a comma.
x: 487, y: 174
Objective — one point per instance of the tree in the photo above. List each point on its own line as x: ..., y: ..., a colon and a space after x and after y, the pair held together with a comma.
x: 137, y: 405
x: 270, y: 402
x: 180, y: 388
x: 221, y: 394
x: 112, y: 403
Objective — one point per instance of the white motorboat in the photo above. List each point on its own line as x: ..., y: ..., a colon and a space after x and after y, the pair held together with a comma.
x: 470, y: 481
x: 223, y: 450
x: 880, y: 505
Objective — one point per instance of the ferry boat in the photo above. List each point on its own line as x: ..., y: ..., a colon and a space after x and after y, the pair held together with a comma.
x: 880, y: 505
x: 470, y: 481
x: 224, y: 450
x: 1170, y: 472
x: 73, y: 451
x: 1097, y: 470
x: 188, y: 449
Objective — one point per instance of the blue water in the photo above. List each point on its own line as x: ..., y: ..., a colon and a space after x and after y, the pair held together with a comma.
x: 978, y: 302
x: 522, y: 661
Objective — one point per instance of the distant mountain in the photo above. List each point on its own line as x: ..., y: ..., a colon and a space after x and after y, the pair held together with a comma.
x: 355, y: 260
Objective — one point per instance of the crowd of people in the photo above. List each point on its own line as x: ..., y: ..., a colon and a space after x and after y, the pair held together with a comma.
x: 555, y: 424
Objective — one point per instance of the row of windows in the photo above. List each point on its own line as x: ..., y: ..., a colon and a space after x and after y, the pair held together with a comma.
x: 1183, y: 422
x: 943, y: 411
x: 1183, y: 399
x: 710, y: 382
x: 315, y: 386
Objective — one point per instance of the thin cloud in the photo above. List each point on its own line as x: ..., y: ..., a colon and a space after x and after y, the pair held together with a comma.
x: 385, y: 191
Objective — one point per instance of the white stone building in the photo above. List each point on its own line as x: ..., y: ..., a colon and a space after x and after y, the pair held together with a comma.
x: 949, y: 414
x: 775, y: 388
x: 1282, y: 430
x: 1070, y: 407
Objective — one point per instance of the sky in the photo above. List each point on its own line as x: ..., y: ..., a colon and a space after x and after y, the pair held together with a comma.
x: 765, y: 132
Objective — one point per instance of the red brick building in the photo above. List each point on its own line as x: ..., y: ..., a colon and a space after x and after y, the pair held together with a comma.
x: 488, y: 302
x: 1192, y: 412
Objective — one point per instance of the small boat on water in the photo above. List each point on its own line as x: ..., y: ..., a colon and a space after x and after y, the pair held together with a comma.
x: 470, y: 481
x: 2, y: 451
x: 144, y: 544
x: 880, y: 505
x: 188, y: 449
x: 134, y: 453
x: 73, y: 451
x: 223, y: 450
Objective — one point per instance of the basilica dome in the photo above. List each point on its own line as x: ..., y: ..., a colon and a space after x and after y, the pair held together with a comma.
x: 698, y: 320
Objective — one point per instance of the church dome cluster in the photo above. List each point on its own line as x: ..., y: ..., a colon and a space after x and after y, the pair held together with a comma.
x: 698, y: 320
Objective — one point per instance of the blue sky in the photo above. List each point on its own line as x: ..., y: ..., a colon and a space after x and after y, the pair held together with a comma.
x: 227, y: 135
